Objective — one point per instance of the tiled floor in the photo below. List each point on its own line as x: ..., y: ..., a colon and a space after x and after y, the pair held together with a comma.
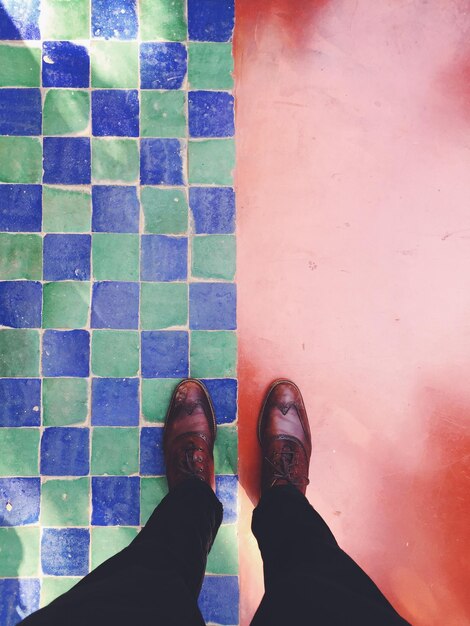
x: 117, y: 266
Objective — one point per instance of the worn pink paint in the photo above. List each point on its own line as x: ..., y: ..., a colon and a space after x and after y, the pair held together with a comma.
x: 353, y: 182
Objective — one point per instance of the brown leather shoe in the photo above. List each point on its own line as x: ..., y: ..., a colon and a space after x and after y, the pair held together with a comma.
x: 284, y: 435
x: 188, y: 439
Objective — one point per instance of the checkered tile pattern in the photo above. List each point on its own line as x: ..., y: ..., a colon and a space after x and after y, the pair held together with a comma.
x: 117, y: 267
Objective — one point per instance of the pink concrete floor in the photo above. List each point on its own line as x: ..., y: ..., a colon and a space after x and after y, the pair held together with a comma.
x: 353, y: 180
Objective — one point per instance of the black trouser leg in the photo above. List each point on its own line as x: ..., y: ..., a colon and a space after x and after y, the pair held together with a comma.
x: 308, y: 578
x: 155, y: 580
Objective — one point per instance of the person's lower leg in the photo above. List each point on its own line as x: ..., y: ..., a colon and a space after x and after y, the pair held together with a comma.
x: 181, y: 531
x: 177, y: 538
x: 307, y: 575
x: 157, y: 578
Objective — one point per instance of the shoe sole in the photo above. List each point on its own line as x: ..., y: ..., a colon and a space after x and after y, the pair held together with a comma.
x: 304, y: 422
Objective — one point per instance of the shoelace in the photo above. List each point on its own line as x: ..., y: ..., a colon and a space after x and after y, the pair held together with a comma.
x: 284, y: 467
x: 187, y: 463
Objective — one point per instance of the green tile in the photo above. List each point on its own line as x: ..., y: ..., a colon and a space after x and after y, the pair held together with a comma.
x: 223, y: 557
x: 19, y: 552
x: 213, y: 256
x: 65, y: 210
x: 213, y: 354
x: 210, y: 65
x: 19, y: 352
x: 54, y: 586
x: 106, y: 542
x: 66, y: 304
x: 20, y: 256
x: 114, y: 64
x: 19, y: 66
x: 115, y: 256
x: 19, y: 451
x: 115, y: 160
x: 163, y: 114
x: 165, y: 210
x: 20, y: 160
x: 65, y: 502
x: 152, y: 492
x: 156, y: 396
x: 226, y: 450
x: 64, y: 401
x: 65, y: 19
x: 115, y: 353
x: 163, y: 20
x: 115, y: 451
x: 163, y: 305
x: 211, y: 162
x: 66, y: 112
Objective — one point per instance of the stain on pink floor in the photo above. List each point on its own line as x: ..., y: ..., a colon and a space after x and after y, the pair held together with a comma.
x: 353, y: 137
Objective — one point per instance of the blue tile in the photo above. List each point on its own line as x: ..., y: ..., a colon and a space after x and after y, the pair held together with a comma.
x: 115, y: 501
x: 152, y: 462
x: 162, y: 65
x: 67, y: 160
x: 65, y: 451
x: 161, y: 162
x: 115, y: 402
x: 164, y: 258
x: 211, y: 114
x: 19, y: 19
x: 19, y: 501
x: 115, y: 209
x: 219, y: 599
x: 65, y: 64
x: 18, y: 597
x: 223, y: 392
x: 113, y: 19
x: 20, y: 112
x: 67, y: 257
x: 20, y: 304
x: 115, y: 305
x: 210, y: 20
x: 165, y: 354
x: 213, y: 209
x: 20, y: 402
x: 115, y: 112
x: 64, y: 551
x: 65, y: 353
x: 20, y: 208
x: 226, y: 489
x: 212, y: 306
